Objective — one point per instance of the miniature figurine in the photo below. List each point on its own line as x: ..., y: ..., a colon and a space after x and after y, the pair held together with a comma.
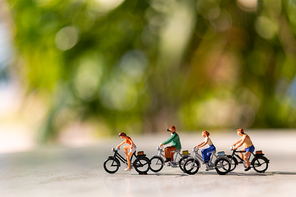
x: 176, y: 145
x: 248, y: 147
x: 131, y: 147
x: 207, y: 152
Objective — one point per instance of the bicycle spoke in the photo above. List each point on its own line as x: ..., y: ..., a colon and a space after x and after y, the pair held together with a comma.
x: 156, y: 164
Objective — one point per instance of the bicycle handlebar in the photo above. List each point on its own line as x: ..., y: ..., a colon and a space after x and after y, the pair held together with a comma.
x: 159, y: 148
x: 115, y: 149
x: 195, y: 149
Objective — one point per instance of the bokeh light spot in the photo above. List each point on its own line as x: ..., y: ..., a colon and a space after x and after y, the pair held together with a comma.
x: 66, y: 38
x: 248, y: 5
x: 133, y: 64
x: 30, y: 17
x: 220, y: 20
x: 264, y: 27
x: 88, y: 77
x: 108, y: 5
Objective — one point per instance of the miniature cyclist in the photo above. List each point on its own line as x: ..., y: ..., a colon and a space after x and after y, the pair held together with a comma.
x: 176, y: 144
x: 207, y: 152
x: 131, y: 147
x: 248, y: 147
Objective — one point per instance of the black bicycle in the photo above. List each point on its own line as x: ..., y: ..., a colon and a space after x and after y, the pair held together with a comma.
x: 138, y: 161
x: 259, y: 161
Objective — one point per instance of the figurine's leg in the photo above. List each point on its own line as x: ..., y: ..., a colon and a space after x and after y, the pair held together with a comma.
x: 241, y: 154
x: 171, y: 152
x: 128, y: 155
x: 246, y: 158
x: 125, y: 149
x: 128, y: 160
x: 167, y: 154
x: 204, y: 154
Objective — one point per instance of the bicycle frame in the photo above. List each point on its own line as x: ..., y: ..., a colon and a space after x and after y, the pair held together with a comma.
x: 160, y: 154
x: 237, y: 156
x: 119, y: 157
x: 242, y: 160
x: 199, y: 157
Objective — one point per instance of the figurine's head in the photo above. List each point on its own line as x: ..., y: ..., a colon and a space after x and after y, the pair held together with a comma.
x: 240, y: 131
x: 122, y: 135
x: 205, y: 134
x: 172, y: 129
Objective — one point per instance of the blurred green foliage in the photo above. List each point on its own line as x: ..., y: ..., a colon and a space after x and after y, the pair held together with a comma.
x: 141, y: 65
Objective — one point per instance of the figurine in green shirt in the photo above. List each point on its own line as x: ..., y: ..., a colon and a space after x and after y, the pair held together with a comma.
x: 176, y: 144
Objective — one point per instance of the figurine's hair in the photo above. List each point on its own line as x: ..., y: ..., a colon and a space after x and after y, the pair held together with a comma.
x: 122, y: 134
x: 241, y: 130
x: 207, y: 133
x: 173, y: 127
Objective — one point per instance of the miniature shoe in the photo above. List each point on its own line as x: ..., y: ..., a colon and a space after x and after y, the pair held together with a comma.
x: 211, y: 165
x: 127, y: 169
x: 248, y: 168
x: 169, y: 163
x: 205, y: 162
x: 173, y: 164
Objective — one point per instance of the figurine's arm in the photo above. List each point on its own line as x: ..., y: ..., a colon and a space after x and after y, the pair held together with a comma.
x: 168, y: 141
x: 237, y: 142
x: 201, y: 144
x: 241, y: 141
x: 121, y: 144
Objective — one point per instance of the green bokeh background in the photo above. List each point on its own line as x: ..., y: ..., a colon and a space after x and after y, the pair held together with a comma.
x: 142, y: 65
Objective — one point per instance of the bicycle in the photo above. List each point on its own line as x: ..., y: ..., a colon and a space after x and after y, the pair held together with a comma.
x: 221, y: 163
x: 141, y: 163
x: 259, y: 162
x: 157, y: 161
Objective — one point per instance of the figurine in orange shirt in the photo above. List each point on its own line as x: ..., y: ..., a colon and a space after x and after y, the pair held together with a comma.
x: 248, y: 147
x: 128, y: 150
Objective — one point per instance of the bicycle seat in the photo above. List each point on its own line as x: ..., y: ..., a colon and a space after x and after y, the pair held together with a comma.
x: 176, y: 151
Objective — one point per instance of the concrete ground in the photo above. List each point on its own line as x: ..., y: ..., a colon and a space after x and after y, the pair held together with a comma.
x: 61, y: 171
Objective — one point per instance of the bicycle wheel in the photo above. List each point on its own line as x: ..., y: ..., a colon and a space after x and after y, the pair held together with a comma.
x: 142, y: 165
x: 222, y: 166
x: 260, y: 164
x: 191, y: 166
x: 111, y: 165
x: 233, y: 162
x: 156, y: 163
x: 182, y: 162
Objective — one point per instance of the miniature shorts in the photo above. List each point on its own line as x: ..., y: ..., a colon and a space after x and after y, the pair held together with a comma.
x: 250, y: 149
x: 133, y: 149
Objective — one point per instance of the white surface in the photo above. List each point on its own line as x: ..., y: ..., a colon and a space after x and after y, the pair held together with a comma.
x: 57, y: 171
